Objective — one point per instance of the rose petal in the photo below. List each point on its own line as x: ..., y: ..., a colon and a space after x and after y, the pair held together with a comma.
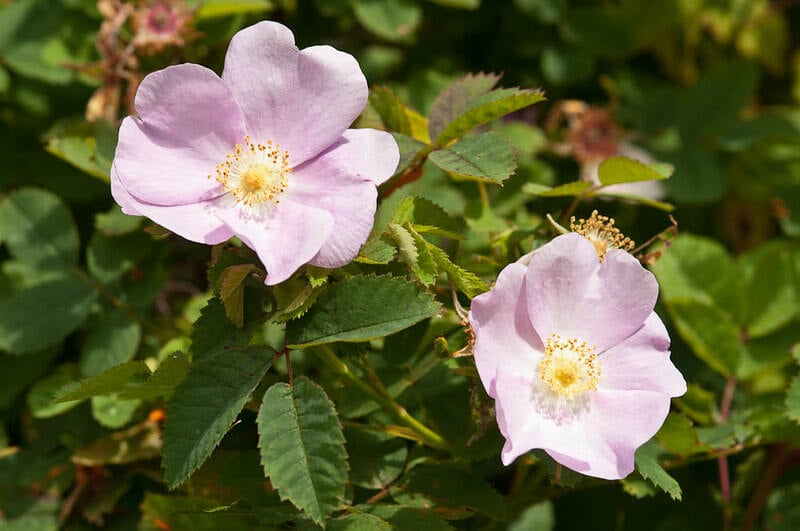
x: 189, y: 122
x: 642, y: 362
x: 572, y: 294
x: 302, y: 100
x: 503, y: 333
x: 340, y: 181
x: 284, y: 239
x: 193, y: 221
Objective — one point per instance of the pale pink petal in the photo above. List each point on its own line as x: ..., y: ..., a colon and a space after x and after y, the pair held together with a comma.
x: 302, y: 100
x: 525, y: 429
x: 285, y: 239
x: 503, y: 332
x: 194, y: 221
x: 188, y: 123
x: 341, y: 181
x: 642, y: 362
x: 572, y: 294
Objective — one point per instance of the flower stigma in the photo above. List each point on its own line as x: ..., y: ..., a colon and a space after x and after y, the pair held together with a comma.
x: 600, y: 230
x: 568, y: 371
x: 255, y: 174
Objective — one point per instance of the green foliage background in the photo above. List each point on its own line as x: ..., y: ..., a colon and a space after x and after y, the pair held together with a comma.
x: 107, y: 321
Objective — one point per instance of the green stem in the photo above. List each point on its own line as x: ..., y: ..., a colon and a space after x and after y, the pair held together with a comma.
x: 380, y: 395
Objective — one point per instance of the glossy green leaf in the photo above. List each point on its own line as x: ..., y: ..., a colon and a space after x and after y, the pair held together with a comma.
x: 565, y: 190
x: 354, y: 309
x: 302, y: 447
x: 711, y: 333
x: 457, y: 98
x: 487, y: 157
x: 488, y: 108
x: 616, y: 170
x: 40, y: 316
x: 113, y: 342
x: 394, y: 20
x: 205, y: 405
x: 39, y: 230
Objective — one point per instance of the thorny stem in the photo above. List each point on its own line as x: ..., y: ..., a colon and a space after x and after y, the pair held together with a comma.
x: 722, y: 461
x: 380, y: 395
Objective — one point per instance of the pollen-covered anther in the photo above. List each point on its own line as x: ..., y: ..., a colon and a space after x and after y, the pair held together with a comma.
x: 600, y: 230
x: 255, y: 173
x: 569, y: 367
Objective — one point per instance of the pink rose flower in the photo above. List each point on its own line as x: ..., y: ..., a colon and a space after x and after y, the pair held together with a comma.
x: 263, y: 153
x: 574, y: 356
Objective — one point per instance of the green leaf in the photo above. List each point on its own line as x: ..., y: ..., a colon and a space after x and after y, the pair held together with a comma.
x: 376, y: 251
x: 390, y: 109
x: 565, y: 190
x: 295, y: 296
x: 138, y: 443
x: 223, y: 8
x: 213, y: 331
x: 466, y: 281
x: 539, y: 516
x: 457, y: 98
x: 18, y: 372
x: 647, y: 465
x: 700, y: 176
x: 113, y: 412
x: 359, y: 522
x: 115, y: 223
x: 403, y: 517
x: 376, y: 459
x: 118, y: 379
x: 302, y: 447
x: 459, y: 4
x: 161, y: 512
x: 40, y: 316
x: 108, y: 258
x: 42, y: 394
x: 454, y: 492
x: 426, y: 217
x: 793, y: 400
x: 488, y: 108
x: 616, y: 170
x: 488, y: 157
x: 696, y: 268
x: 394, y: 20
x: 205, y: 405
x: 38, y: 229
x: 231, y: 291
x: 772, y: 292
x: 679, y: 436
x: 113, y: 342
x: 711, y: 333
x: 355, y: 309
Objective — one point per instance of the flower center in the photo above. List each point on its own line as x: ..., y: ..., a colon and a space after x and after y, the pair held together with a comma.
x: 255, y: 173
x: 568, y: 372
x: 600, y: 230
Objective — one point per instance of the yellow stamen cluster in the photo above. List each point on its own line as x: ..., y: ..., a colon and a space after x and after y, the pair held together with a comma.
x: 600, y: 230
x: 255, y: 173
x: 569, y: 367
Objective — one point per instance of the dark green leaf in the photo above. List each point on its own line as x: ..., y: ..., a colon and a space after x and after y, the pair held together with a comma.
x: 394, y: 20
x: 648, y: 467
x: 109, y: 258
x: 487, y: 157
x: 355, y: 309
x: 359, y: 522
x: 302, y: 447
x: 426, y: 217
x: 213, y: 331
x: 42, y: 394
x: 114, y: 341
x: 39, y: 230
x: 38, y: 317
x: 376, y: 459
x: 231, y: 291
x: 205, y: 405
x: 390, y: 109
x: 118, y: 379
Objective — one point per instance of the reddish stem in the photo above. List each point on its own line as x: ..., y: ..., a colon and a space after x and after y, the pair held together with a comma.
x: 722, y: 462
